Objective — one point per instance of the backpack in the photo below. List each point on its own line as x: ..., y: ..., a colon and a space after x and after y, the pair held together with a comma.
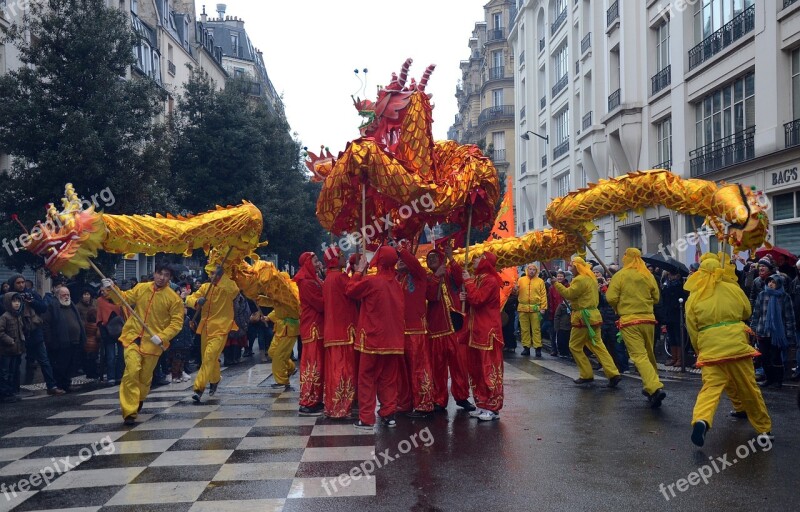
x: 114, y: 326
x: 241, y: 313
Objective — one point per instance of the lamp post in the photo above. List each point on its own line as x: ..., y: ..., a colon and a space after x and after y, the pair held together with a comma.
x: 525, y: 136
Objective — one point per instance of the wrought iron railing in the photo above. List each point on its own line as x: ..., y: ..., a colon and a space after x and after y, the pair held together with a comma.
x: 496, y: 34
x: 560, y: 85
x: 667, y: 164
x: 787, y: 3
x: 560, y: 19
x: 586, y: 42
x: 724, y: 37
x: 612, y: 13
x: 792, y: 130
x: 522, y: 112
x: 729, y: 150
x: 523, y: 169
x: 498, y: 155
x: 522, y: 57
x: 587, y: 120
x: 544, y: 161
x: 661, y: 79
x: 530, y: 224
x: 614, y: 100
x: 497, y: 73
x: 171, y: 69
x: 561, y: 150
x: 498, y: 112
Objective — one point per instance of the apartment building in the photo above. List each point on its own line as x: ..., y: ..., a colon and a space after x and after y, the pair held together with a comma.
x: 706, y: 88
x: 485, y: 94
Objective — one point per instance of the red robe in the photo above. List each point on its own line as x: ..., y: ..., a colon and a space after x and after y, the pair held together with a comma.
x: 379, y: 339
x: 485, y: 353
x: 416, y: 382
x: 311, y: 333
x: 341, y: 314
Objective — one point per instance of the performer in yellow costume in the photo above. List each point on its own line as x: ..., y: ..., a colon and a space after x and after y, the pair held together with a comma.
x: 632, y: 293
x: 162, y: 311
x: 532, y: 305
x: 584, y: 296
x: 280, y: 350
x: 715, y: 319
x: 216, y: 302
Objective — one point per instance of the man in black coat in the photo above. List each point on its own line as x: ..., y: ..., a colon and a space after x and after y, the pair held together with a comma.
x: 670, y: 314
x: 65, y: 336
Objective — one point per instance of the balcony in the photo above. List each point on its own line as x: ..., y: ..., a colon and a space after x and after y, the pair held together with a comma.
x: 543, y: 102
x: 495, y: 113
x: 522, y: 57
x: 724, y: 37
x: 664, y: 165
x: 614, y: 100
x: 498, y: 155
x: 560, y: 19
x: 787, y: 3
x: 729, y: 150
x: 612, y: 14
x: 496, y: 34
x: 522, y: 113
x: 171, y: 69
x: 586, y: 43
x: 544, y: 161
x: 587, y: 120
x: 497, y: 73
x: 561, y: 150
x: 661, y: 79
x: 792, y: 131
x: 541, y: 44
x: 523, y: 169
x: 560, y: 85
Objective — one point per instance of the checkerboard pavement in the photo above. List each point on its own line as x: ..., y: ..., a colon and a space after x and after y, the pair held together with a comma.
x: 244, y: 447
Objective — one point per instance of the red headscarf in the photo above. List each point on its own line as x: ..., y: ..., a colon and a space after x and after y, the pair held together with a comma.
x: 332, y: 257
x: 386, y: 259
x: 307, y: 268
x: 487, y: 266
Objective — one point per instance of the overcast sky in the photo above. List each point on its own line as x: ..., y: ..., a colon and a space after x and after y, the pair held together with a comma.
x: 311, y: 48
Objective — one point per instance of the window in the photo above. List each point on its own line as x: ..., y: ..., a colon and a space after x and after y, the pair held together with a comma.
x: 562, y: 185
x: 497, y: 59
x: 580, y: 177
x: 238, y: 72
x: 235, y: 44
x: 561, y: 125
x: 135, y: 6
x: 497, y: 20
x: 726, y: 111
x: 558, y: 7
x: 796, y: 84
x: 664, y: 137
x: 711, y: 15
x: 560, y: 64
x: 662, y: 46
x: 786, y: 220
x: 497, y: 97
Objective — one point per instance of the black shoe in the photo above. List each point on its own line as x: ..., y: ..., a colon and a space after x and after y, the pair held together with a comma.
x: 213, y: 390
x: 389, y: 421
x: 613, y: 381
x: 439, y: 408
x: 310, y: 411
x: 418, y: 414
x: 196, y: 396
x: 466, y: 405
x: 795, y: 376
x: 289, y: 388
x: 141, y: 404
x: 738, y: 414
x: 129, y: 420
x: 160, y: 382
x: 248, y: 353
x: 760, y: 377
x: 526, y: 351
x: 656, y: 398
x: 583, y: 381
x: 539, y: 353
x: 554, y: 353
x: 278, y: 386
x: 699, y: 433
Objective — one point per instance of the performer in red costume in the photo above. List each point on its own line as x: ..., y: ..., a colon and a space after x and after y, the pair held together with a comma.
x: 485, y: 352
x: 341, y: 314
x: 311, y: 335
x: 448, y: 344
x: 379, y: 337
x: 416, y: 380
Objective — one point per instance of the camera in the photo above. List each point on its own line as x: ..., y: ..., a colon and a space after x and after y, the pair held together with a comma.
x: 27, y: 296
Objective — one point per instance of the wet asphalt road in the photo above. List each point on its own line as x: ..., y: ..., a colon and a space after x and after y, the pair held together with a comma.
x: 556, y: 447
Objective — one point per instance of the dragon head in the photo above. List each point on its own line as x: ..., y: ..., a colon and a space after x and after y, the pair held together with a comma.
x: 70, y: 237
x: 320, y: 166
x: 745, y: 214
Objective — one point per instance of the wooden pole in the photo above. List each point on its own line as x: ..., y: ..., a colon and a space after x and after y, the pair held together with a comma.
x: 593, y: 253
x: 363, y: 217
x: 466, y: 256
x: 122, y: 299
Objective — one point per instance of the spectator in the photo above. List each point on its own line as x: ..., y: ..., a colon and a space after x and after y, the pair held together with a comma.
x: 670, y: 315
x: 110, y: 322
x: 765, y: 269
x: 12, y: 346
x: 178, y: 352
x: 563, y: 326
x: 237, y: 337
x: 65, y: 336
x: 5, y: 288
x: 795, y: 294
x: 773, y: 322
x: 609, y: 331
x: 91, y: 348
x: 554, y: 299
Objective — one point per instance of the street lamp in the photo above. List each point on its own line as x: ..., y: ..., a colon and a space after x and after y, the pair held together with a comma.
x: 525, y: 136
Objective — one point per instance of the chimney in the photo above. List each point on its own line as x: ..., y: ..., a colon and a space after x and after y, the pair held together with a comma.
x: 221, y: 10
x: 203, y: 16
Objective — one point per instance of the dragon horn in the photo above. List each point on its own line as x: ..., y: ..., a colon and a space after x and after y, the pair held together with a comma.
x: 425, y: 76
x: 404, y: 72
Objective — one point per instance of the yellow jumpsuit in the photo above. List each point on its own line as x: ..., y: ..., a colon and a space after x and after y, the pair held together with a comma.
x: 584, y: 295
x: 215, y: 324
x: 280, y: 350
x: 532, y: 304
x: 716, y: 327
x: 633, y: 295
x: 162, y: 311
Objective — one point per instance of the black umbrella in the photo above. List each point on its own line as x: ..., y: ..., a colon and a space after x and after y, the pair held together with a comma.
x: 667, y: 263
x: 180, y: 268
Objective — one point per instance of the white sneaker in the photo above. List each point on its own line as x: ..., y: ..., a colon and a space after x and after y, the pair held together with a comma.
x: 185, y: 377
x: 477, y: 412
x: 489, y: 416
